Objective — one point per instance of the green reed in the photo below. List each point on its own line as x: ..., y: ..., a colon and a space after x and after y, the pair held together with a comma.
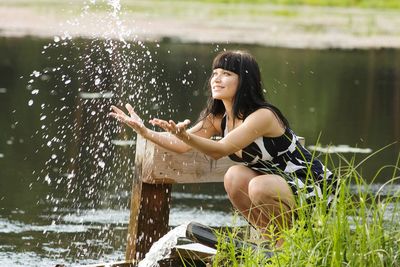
x: 362, y: 228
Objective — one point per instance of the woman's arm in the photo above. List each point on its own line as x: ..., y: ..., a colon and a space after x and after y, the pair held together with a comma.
x: 167, y: 140
x: 204, y: 129
x: 259, y: 123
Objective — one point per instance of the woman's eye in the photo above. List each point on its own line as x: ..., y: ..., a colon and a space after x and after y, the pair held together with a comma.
x: 226, y: 73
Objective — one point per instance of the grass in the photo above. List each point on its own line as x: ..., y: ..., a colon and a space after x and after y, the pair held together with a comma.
x: 386, y: 4
x: 360, y: 230
x: 154, y: 5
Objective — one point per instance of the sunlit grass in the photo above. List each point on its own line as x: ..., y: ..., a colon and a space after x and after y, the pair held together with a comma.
x: 339, y: 3
x: 361, y: 229
x: 154, y: 5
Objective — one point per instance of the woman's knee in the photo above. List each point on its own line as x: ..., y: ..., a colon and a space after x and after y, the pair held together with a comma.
x: 229, y: 177
x: 236, y: 180
x: 258, y: 193
x: 269, y: 190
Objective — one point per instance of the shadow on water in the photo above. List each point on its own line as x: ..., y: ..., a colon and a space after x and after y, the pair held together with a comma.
x: 66, y: 168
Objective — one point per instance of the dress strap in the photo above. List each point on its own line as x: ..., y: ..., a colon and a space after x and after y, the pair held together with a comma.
x: 223, y: 125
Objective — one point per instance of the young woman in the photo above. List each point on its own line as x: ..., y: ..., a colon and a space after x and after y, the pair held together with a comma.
x: 273, y: 167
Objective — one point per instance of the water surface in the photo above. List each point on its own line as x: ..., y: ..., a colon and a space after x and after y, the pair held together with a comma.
x: 65, y: 171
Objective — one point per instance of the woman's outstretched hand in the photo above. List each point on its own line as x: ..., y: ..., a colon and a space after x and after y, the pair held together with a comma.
x: 133, y: 120
x: 178, y: 129
x: 136, y: 123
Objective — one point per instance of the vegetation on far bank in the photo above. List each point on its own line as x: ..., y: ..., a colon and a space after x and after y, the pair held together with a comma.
x: 373, y: 4
x: 395, y: 4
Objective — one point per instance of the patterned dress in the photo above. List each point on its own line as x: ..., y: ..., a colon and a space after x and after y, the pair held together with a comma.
x: 285, y: 156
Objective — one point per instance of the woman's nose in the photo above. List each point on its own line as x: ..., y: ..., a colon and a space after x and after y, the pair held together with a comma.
x: 217, y: 78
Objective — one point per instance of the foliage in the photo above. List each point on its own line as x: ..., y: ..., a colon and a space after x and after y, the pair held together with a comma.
x: 340, y: 3
x: 361, y: 229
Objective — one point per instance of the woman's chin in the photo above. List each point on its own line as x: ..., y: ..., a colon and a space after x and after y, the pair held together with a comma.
x: 217, y: 96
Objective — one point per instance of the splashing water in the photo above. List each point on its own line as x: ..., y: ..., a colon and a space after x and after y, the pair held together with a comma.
x: 162, y: 248
x: 88, y: 156
x: 94, y: 74
x: 89, y: 77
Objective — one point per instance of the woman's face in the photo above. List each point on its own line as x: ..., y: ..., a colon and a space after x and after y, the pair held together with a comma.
x: 224, y: 84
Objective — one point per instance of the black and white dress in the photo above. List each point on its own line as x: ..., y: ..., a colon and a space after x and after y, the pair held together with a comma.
x: 285, y: 156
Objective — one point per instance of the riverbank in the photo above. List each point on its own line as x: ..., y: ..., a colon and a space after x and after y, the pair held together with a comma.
x: 194, y: 21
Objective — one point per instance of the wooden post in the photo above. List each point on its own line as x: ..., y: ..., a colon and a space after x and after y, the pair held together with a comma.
x: 156, y: 169
x: 149, y: 209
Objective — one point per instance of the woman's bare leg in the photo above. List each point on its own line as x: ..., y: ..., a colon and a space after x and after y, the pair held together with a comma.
x: 236, y: 182
x: 274, y: 198
x: 263, y: 199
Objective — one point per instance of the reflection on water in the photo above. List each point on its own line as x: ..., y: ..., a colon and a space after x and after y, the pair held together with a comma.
x: 340, y: 149
x: 90, y: 235
x: 95, y: 235
x: 66, y: 172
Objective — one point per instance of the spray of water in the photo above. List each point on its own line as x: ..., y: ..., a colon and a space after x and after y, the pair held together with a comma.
x: 162, y: 248
x: 90, y: 156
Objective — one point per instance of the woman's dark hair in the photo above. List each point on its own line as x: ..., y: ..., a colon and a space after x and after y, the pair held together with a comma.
x: 249, y: 96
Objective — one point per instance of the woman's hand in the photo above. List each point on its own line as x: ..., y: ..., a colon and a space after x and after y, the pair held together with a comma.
x: 133, y: 121
x: 179, y: 129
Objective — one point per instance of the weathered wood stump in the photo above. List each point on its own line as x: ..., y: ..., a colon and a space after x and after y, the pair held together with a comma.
x: 156, y: 169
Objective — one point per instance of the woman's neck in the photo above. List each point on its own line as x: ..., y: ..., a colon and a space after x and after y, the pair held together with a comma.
x: 228, y: 109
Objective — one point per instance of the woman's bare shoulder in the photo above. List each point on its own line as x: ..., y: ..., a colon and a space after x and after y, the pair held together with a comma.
x: 263, y: 113
x: 215, y: 120
x: 267, y: 120
x: 207, y: 126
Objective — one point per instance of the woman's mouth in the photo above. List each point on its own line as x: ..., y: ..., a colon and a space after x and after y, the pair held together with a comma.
x: 217, y: 87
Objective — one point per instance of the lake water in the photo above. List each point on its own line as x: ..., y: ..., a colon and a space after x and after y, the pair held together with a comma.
x: 65, y: 174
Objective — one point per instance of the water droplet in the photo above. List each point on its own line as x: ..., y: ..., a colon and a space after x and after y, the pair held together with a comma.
x: 102, y: 164
x: 45, y: 77
x: 47, y: 179
x: 56, y: 39
x: 30, y: 102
